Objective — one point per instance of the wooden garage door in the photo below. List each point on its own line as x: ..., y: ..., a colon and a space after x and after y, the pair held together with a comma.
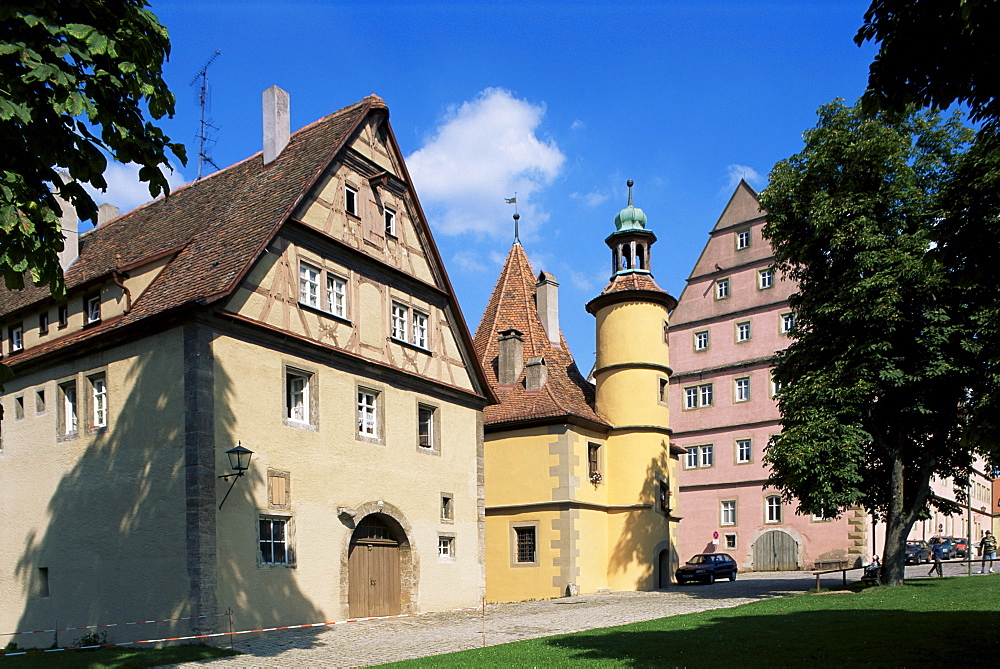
x: 775, y: 551
x: 373, y: 571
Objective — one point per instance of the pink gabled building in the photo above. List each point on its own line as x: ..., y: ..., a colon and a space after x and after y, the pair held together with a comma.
x: 729, y: 322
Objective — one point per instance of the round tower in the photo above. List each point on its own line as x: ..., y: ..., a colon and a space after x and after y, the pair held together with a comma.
x: 632, y: 369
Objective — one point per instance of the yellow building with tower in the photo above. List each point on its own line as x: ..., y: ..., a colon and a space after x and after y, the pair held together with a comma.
x: 580, y: 479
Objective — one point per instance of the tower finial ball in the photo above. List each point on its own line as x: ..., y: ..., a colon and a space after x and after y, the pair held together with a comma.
x: 629, y: 183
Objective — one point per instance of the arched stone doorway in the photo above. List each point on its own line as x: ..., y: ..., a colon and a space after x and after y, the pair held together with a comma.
x: 373, y: 569
x: 383, y: 527
x: 775, y: 551
x: 664, y: 568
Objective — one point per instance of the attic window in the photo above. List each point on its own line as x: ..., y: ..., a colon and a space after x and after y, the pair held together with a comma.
x: 390, y: 222
x: 92, y: 308
x: 351, y: 200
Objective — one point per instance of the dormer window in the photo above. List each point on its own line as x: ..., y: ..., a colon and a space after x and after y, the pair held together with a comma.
x: 92, y: 309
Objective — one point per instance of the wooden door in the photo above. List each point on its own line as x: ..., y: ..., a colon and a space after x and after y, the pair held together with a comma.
x: 373, y: 572
x: 775, y: 551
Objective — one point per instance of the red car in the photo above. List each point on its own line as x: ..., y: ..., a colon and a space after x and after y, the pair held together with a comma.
x: 961, y: 547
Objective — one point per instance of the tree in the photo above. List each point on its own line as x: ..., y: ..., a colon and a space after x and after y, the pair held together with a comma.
x: 933, y: 54
x: 876, y: 383
x: 75, y: 79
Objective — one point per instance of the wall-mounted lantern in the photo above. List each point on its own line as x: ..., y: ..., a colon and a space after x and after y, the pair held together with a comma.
x: 239, y: 462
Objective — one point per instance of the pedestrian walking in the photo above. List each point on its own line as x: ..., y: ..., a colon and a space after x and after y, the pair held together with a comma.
x: 937, y: 552
x: 988, y: 549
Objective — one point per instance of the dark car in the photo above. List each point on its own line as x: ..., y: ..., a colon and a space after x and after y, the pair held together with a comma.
x: 707, y: 567
x: 917, y: 552
x: 947, y: 546
x: 961, y: 547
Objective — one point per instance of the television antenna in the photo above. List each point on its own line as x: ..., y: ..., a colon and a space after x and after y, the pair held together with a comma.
x: 205, y: 125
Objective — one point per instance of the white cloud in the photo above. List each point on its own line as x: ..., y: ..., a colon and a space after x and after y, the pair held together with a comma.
x: 125, y: 191
x: 737, y: 172
x: 592, y: 199
x: 577, y: 125
x: 485, y: 150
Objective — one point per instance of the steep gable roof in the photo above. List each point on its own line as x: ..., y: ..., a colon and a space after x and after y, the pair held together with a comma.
x: 512, y: 305
x: 742, y: 206
x: 216, y: 225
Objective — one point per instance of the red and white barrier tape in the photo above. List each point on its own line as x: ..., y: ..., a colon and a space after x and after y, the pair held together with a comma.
x: 90, y: 627
x: 231, y: 634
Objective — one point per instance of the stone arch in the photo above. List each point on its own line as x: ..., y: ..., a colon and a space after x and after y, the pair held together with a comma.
x: 408, y: 560
x: 665, y: 563
x: 799, y: 542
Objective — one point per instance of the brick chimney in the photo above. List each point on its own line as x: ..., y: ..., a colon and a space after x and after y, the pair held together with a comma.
x: 547, y: 303
x: 510, y: 361
x: 277, y: 123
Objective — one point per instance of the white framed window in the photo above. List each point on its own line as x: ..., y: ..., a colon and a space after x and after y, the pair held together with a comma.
x: 425, y: 427
x: 721, y: 289
x: 727, y: 508
x: 297, y: 397
x: 419, y: 329
x: 691, y: 397
x: 390, y: 222
x: 701, y: 340
x: 707, y: 456
x: 368, y: 414
x: 400, y: 321
x: 446, y: 548
x: 765, y: 278
x: 92, y: 308
x: 744, y: 451
x: 775, y: 386
x: 351, y: 200
x: 773, y: 509
x: 743, y: 332
x: 691, y: 458
x: 16, y: 338
x: 70, y: 418
x: 336, y: 295
x: 273, y: 537
x: 309, y: 284
x: 99, y: 397
x: 787, y: 322
x: 43, y: 323
x: 742, y: 389
x: 742, y: 240
x: 705, y: 395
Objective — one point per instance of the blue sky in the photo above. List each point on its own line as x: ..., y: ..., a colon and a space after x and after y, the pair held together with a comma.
x: 561, y: 102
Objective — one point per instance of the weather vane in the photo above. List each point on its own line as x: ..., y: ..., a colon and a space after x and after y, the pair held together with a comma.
x: 517, y: 216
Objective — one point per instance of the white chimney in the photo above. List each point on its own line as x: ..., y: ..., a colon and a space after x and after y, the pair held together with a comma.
x: 106, y: 212
x: 277, y: 123
x: 70, y: 228
x: 547, y: 303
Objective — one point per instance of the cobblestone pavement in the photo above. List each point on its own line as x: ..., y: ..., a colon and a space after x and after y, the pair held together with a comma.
x: 379, y: 641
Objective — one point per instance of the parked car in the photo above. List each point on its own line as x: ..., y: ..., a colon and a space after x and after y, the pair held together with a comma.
x: 917, y: 551
x: 947, y: 546
x: 707, y: 567
x: 961, y: 547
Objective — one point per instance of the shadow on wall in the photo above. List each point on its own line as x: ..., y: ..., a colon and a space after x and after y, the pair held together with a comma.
x: 644, y: 531
x: 114, y: 547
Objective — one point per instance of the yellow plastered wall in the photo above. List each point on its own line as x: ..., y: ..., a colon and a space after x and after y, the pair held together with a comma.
x: 331, y: 469
x: 103, y: 510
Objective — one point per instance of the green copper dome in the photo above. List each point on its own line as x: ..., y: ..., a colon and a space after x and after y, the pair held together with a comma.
x: 630, y: 218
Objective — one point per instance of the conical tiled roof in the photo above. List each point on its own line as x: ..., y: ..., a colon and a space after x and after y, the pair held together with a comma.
x: 566, y: 394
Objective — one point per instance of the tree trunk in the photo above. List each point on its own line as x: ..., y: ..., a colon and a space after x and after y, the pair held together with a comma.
x: 897, y: 528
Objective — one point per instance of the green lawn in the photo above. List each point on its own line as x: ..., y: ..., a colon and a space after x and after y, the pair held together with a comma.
x: 941, y: 622
x: 116, y: 658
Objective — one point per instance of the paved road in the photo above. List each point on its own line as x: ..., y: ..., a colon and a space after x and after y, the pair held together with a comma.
x: 378, y: 641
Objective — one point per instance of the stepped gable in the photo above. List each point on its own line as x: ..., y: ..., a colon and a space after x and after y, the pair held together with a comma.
x: 566, y: 393
x: 216, y: 226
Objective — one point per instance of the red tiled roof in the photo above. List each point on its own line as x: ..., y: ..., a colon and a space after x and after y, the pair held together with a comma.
x: 512, y: 305
x: 217, y: 226
x: 633, y: 282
